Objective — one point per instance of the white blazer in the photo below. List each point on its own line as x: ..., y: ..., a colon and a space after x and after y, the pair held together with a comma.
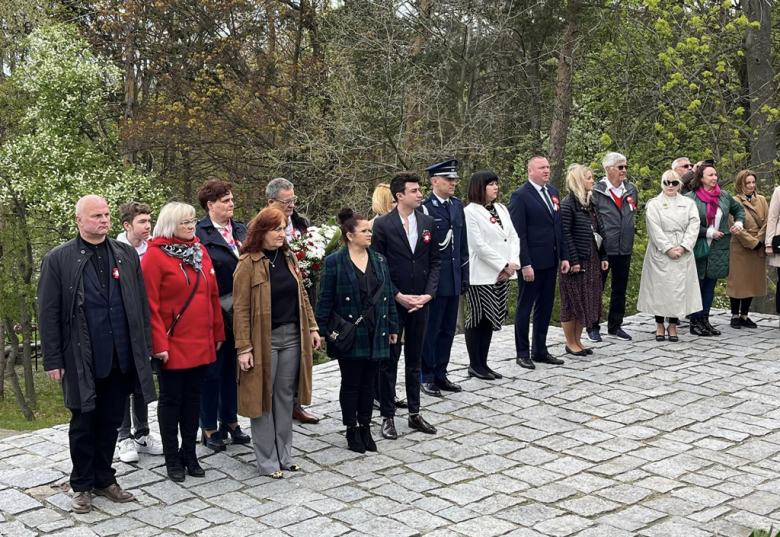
x: 491, y: 247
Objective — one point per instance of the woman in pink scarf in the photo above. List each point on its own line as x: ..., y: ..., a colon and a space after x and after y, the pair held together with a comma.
x: 712, y: 247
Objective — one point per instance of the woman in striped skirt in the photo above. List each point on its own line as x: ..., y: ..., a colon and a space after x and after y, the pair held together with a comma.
x: 494, y: 257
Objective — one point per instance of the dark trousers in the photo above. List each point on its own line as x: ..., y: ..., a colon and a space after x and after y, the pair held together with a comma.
x: 357, y: 390
x: 140, y: 412
x: 537, y: 296
x: 619, y: 265
x: 178, y: 408
x: 707, y: 288
x: 478, y: 344
x: 220, y: 389
x: 413, y: 326
x: 741, y: 306
x: 672, y: 320
x: 439, y: 337
x: 93, y: 434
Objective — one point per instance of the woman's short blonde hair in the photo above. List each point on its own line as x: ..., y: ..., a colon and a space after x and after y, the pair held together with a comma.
x: 739, y: 182
x: 382, y: 200
x: 170, y: 216
x: 575, y: 181
x: 671, y: 175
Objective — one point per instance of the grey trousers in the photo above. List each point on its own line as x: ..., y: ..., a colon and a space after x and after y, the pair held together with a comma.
x: 272, y: 432
x: 140, y: 418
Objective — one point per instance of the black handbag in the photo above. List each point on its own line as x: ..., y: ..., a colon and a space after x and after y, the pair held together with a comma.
x: 341, y: 333
x: 776, y: 244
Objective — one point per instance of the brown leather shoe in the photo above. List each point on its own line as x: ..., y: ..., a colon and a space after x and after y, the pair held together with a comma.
x: 115, y: 494
x: 299, y: 414
x: 81, y: 502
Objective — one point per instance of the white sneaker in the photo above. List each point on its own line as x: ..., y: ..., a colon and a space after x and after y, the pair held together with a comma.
x: 148, y: 444
x: 127, y: 451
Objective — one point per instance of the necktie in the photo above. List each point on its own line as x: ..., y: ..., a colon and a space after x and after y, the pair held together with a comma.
x: 546, y: 197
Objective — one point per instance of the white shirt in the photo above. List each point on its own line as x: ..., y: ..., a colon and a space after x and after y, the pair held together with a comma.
x: 411, y: 235
x: 543, y: 192
x: 289, y: 231
x: 618, y: 191
x: 122, y: 237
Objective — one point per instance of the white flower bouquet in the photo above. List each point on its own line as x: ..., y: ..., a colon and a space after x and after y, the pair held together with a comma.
x: 311, y: 248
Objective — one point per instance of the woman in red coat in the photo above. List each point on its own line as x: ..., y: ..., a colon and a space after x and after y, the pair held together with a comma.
x: 187, y: 330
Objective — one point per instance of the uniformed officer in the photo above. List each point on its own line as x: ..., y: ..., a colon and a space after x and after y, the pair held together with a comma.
x: 450, y: 237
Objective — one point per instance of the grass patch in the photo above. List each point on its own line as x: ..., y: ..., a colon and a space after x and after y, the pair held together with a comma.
x: 49, y: 411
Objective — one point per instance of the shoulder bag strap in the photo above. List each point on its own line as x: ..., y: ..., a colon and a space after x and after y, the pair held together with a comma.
x: 186, y: 305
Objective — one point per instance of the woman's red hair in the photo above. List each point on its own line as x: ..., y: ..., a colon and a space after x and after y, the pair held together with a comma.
x: 266, y: 220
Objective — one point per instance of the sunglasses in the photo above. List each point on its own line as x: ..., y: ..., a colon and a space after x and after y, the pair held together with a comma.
x: 672, y: 183
x: 686, y: 166
x: 621, y: 167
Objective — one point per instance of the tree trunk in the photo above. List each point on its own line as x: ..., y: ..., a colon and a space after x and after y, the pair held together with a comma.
x: 129, y: 29
x: 559, y: 130
x: 758, y: 49
x: 26, y: 323
x: 414, y: 114
x: 11, y: 367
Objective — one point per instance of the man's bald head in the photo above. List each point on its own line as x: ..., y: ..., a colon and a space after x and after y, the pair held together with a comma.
x: 93, y: 218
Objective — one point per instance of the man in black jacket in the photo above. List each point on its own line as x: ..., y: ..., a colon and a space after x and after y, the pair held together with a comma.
x: 404, y: 237
x: 96, y: 339
x: 222, y: 238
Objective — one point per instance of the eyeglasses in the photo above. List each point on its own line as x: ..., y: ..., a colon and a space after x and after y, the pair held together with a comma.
x: 188, y: 222
x: 686, y: 166
x: 288, y: 202
x: 621, y: 167
x: 672, y: 183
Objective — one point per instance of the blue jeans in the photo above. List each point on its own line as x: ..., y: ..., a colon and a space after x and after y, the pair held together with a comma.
x: 707, y: 288
x: 220, y: 389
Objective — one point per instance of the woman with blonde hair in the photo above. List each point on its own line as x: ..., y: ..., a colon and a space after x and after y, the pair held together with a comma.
x: 670, y: 285
x: 581, y: 286
x: 382, y: 202
x: 747, y: 259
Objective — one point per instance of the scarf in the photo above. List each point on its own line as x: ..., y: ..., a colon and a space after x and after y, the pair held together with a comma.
x: 712, y: 199
x: 189, y: 253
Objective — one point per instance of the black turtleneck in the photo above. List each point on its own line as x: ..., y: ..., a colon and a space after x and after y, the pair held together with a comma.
x: 284, y: 290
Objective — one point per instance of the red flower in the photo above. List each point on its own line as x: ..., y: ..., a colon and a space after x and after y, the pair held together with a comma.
x: 300, y: 255
x: 316, y: 266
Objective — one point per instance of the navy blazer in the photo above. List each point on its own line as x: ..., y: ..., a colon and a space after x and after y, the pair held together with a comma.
x: 450, y: 236
x: 540, y: 231
x: 223, y: 258
x: 411, y: 273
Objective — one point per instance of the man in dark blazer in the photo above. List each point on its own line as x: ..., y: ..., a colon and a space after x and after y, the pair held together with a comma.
x: 536, y: 215
x: 96, y: 339
x: 405, y: 237
x: 449, y: 236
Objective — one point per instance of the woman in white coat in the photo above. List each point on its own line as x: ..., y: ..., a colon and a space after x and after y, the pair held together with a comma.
x: 670, y: 284
x: 772, y: 231
x: 494, y: 257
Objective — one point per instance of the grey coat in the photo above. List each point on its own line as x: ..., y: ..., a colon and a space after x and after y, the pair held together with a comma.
x: 617, y: 225
x: 64, y: 333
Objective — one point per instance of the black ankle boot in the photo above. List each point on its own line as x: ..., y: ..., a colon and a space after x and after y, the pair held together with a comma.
x: 366, y: 438
x: 714, y: 331
x: 190, y: 462
x: 354, y: 442
x: 698, y: 328
x: 174, y: 467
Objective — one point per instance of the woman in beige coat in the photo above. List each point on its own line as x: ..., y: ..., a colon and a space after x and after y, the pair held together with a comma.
x: 747, y: 269
x: 670, y: 284
x: 276, y: 334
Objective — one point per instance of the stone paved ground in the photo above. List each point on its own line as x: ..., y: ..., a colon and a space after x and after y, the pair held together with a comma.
x: 655, y: 440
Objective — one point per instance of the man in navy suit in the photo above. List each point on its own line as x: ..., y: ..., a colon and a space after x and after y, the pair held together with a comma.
x: 536, y: 215
x: 405, y: 237
x: 449, y: 236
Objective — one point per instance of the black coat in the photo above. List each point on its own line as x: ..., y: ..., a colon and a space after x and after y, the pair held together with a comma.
x: 411, y: 273
x: 64, y: 333
x: 223, y: 258
x: 578, y: 230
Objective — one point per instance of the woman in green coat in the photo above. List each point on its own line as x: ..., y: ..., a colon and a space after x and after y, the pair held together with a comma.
x: 712, y: 247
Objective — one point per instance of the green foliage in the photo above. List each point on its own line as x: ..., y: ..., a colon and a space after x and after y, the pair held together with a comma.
x: 763, y: 533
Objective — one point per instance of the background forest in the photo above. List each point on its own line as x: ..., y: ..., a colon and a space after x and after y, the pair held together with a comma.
x: 144, y: 99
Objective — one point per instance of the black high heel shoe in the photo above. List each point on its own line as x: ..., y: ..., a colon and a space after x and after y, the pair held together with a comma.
x: 671, y: 338
x: 237, y: 435
x: 214, y: 441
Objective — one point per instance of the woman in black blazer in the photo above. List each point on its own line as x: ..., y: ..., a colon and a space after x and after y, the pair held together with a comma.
x: 581, y: 287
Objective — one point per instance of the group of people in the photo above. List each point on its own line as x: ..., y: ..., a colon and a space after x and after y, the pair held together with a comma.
x: 219, y: 312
